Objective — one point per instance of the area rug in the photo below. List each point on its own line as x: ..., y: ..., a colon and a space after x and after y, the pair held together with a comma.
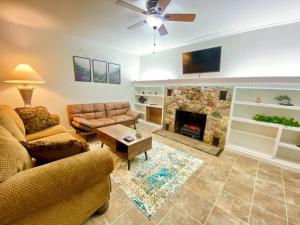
x: 149, y: 184
x: 212, y: 150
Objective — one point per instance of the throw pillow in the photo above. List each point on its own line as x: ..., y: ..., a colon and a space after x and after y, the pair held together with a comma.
x: 13, y: 156
x: 36, y: 118
x: 49, y: 151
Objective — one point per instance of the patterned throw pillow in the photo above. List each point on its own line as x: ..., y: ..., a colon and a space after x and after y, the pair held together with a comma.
x: 49, y: 151
x: 36, y: 118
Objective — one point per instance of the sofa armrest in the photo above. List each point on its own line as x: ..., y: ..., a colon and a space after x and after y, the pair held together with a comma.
x: 56, y: 118
x: 35, y: 189
x: 82, y: 121
x: 135, y: 115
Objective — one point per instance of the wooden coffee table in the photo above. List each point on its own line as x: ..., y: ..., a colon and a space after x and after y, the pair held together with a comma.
x: 113, y: 136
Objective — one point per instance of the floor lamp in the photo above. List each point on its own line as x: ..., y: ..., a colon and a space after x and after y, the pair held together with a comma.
x: 25, y: 75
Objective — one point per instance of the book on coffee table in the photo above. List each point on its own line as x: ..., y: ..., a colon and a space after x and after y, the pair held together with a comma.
x: 129, y: 138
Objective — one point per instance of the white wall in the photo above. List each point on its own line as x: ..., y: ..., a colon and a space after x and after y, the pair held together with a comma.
x: 50, y: 54
x: 266, y: 52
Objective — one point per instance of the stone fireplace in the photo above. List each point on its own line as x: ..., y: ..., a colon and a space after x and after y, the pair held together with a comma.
x: 209, y: 104
x: 190, y: 124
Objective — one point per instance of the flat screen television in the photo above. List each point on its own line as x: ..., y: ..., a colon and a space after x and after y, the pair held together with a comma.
x: 202, y: 61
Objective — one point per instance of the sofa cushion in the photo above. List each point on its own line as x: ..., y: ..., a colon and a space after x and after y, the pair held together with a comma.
x: 57, y: 129
x: 13, y: 156
x: 116, y: 108
x: 81, y: 127
x: 12, y: 113
x: 133, y: 114
x: 36, y: 119
x: 99, y: 110
x: 121, y: 118
x: 96, y: 123
x: 86, y: 111
x: 9, y: 124
x: 62, y: 137
x: 82, y: 121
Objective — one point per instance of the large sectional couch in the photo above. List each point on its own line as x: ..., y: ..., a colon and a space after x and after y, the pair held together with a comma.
x: 89, y: 117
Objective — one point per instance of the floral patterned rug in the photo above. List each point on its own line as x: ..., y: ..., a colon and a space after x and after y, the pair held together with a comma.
x: 149, y: 184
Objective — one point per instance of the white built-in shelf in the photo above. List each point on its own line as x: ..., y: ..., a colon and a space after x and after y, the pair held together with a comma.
x: 258, y: 144
x: 252, y: 134
x: 290, y: 146
x: 152, y: 109
x: 248, y: 151
x: 275, y: 125
x: 251, y: 121
x: 142, y: 112
x: 267, y: 105
x: 296, y: 129
x: 271, y: 142
x: 149, y: 105
x: 149, y: 95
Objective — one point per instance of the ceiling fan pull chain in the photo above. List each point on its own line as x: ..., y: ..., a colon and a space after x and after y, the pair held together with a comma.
x: 154, y: 41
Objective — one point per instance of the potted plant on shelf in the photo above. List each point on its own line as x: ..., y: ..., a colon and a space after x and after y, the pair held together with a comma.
x: 277, y: 119
x: 284, y: 100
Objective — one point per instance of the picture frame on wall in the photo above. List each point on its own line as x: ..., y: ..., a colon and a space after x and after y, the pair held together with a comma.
x: 99, y: 71
x: 114, y: 73
x: 82, y: 69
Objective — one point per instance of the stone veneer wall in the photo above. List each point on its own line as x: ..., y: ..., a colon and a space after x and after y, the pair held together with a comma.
x: 203, y: 100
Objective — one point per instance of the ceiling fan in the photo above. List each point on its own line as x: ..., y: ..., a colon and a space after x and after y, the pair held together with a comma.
x: 156, y: 15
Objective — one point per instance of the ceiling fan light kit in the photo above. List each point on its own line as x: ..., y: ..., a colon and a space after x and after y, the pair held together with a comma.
x: 156, y: 16
x: 154, y: 21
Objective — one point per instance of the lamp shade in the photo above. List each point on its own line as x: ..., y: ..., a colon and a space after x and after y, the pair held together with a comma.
x: 24, y: 74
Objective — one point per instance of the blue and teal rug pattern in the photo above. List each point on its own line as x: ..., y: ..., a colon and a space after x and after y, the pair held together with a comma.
x: 149, y: 184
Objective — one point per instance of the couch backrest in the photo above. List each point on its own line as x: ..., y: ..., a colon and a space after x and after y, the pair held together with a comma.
x: 14, y: 157
x: 97, y: 110
x: 10, y: 112
x: 116, y: 108
x: 87, y: 111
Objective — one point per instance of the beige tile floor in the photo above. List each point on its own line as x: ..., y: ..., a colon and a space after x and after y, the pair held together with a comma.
x: 226, y: 190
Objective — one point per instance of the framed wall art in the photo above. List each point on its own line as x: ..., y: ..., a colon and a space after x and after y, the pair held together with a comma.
x: 99, y: 71
x: 82, y: 69
x: 114, y: 73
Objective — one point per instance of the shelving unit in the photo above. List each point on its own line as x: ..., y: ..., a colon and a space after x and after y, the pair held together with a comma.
x: 267, y: 105
x: 267, y: 141
x: 152, y: 109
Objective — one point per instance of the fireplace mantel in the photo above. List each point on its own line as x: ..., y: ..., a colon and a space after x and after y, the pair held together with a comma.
x: 291, y: 82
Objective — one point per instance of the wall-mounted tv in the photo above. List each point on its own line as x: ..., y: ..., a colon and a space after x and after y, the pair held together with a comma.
x: 202, y: 61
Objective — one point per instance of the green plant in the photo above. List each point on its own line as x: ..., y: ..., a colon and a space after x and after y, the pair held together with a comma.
x: 283, y: 98
x: 277, y: 119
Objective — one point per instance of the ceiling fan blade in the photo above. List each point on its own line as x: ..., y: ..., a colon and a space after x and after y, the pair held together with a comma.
x: 180, y: 17
x: 162, y: 30
x: 132, y: 7
x: 141, y: 23
x: 162, y: 5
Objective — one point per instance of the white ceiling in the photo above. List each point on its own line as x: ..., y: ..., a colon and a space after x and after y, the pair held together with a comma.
x: 105, y: 22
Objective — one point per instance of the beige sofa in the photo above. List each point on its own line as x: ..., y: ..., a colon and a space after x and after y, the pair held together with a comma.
x: 54, y: 133
x: 88, y: 117
x: 67, y: 191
